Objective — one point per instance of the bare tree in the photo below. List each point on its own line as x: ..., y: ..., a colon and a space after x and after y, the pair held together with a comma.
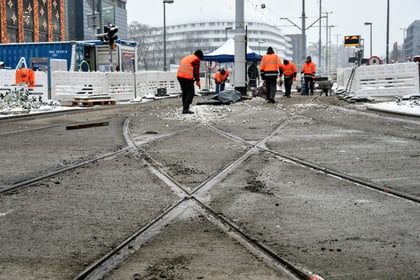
x: 139, y: 33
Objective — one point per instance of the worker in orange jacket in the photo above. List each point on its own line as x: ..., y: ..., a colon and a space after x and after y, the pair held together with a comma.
x: 289, y: 71
x: 25, y: 75
x: 220, y: 79
x: 270, y: 68
x: 308, y: 71
x: 188, y: 72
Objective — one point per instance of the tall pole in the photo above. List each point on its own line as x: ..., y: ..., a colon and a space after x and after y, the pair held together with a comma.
x: 100, y: 15
x: 326, y: 42
x: 387, y: 33
x: 303, y: 30
x: 338, y: 51
x: 326, y: 45
x: 329, y: 45
x: 164, y: 36
x: 240, y: 47
x: 320, y: 42
x: 371, y: 43
x: 164, y: 32
x: 370, y: 25
x: 403, y: 44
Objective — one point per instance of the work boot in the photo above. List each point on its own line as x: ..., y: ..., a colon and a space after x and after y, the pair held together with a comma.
x: 187, y: 111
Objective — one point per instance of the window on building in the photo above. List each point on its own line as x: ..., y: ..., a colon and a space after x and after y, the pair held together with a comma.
x: 12, y: 35
x: 29, y: 36
x: 121, y: 5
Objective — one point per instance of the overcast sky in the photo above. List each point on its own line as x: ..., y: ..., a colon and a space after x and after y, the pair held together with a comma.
x: 348, y: 16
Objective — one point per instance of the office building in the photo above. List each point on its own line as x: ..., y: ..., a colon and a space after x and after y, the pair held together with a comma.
x: 412, y: 41
x: 113, y: 11
x: 59, y: 20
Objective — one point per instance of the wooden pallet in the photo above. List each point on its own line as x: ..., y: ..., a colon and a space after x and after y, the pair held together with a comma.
x: 90, y: 103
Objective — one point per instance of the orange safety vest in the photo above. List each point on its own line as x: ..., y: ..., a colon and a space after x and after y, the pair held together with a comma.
x: 289, y: 69
x: 270, y: 64
x: 309, y: 68
x: 221, y: 78
x: 186, y: 69
x: 25, y: 75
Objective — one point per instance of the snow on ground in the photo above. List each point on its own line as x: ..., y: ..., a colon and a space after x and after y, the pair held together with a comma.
x: 41, y: 110
x: 408, y: 107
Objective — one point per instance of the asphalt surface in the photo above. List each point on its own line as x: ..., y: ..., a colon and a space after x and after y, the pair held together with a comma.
x: 246, y: 191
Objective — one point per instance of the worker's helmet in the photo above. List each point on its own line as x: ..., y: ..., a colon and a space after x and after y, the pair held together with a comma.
x: 270, y: 50
x: 286, y: 62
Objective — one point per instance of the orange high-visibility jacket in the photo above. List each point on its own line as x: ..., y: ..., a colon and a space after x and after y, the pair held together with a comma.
x: 186, y: 69
x: 289, y: 69
x: 270, y: 65
x: 221, y: 78
x: 309, y: 68
x: 25, y: 75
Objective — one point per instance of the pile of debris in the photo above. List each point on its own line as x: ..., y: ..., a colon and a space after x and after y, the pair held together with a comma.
x: 18, y: 100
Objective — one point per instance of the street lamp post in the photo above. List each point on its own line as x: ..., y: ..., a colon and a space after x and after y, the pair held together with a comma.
x: 387, y: 33
x: 370, y: 25
x: 326, y: 41
x: 403, y: 44
x: 303, y: 30
x: 165, y: 68
x: 259, y: 46
x: 338, y: 52
x: 226, y: 31
x: 328, y: 46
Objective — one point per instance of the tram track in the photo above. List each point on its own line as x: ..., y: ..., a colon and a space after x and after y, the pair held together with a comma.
x: 113, y: 259
x: 100, y: 268
x: 304, y: 163
x: 24, y: 183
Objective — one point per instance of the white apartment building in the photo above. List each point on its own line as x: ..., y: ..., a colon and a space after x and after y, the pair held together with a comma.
x: 184, y: 39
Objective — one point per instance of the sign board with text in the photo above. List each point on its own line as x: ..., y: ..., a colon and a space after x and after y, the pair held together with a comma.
x: 352, y: 41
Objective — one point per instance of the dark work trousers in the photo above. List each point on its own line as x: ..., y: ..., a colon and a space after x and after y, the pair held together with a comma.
x: 271, y: 87
x: 220, y: 87
x: 188, y: 91
x: 252, y: 82
x: 309, y: 81
x: 288, y: 81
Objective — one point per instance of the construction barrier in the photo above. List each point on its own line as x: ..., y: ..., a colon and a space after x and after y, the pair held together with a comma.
x: 397, y: 79
x: 66, y: 86
x: 8, y: 81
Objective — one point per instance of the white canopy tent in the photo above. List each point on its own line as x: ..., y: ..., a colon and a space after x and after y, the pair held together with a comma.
x: 226, y: 53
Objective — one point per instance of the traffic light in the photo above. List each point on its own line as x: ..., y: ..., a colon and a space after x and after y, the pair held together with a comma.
x: 111, y: 30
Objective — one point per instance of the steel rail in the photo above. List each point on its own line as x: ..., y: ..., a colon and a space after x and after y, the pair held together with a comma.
x: 115, y: 257
x: 6, y: 189
x: 332, y: 172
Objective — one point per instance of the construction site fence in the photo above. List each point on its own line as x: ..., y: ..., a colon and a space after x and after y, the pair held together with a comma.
x: 8, y: 82
x: 397, y: 79
x: 120, y: 86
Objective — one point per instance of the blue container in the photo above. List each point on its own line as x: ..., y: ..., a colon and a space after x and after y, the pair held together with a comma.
x: 11, y: 53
